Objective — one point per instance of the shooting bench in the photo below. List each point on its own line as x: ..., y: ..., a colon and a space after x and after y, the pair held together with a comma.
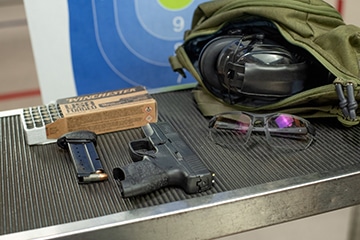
x: 41, y: 198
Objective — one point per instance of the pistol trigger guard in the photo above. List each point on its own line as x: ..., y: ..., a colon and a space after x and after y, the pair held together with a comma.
x: 141, y: 148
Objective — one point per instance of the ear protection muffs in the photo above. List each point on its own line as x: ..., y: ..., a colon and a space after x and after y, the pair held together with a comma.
x: 238, y: 67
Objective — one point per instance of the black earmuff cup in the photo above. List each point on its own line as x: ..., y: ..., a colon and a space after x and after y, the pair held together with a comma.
x: 263, y: 70
x: 208, y: 61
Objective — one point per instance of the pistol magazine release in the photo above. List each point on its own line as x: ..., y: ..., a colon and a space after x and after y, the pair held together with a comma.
x: 162, y: 159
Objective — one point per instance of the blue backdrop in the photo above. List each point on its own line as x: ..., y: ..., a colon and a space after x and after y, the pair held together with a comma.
x: 122, y: 43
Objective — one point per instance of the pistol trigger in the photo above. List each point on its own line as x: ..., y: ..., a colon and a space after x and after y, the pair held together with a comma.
x: 178, y: 156
x: 141, y: 148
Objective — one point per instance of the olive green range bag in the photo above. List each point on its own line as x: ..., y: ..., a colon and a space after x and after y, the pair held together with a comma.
x: 312, y: 25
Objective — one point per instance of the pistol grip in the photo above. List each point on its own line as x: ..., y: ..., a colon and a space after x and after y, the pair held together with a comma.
x: 140, y: 178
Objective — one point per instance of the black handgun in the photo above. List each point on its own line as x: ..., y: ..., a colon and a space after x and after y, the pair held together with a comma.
x: 162, y: 159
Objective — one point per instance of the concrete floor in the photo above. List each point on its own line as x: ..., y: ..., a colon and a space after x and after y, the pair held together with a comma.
x: 18, y: 79
x: 19, y: 88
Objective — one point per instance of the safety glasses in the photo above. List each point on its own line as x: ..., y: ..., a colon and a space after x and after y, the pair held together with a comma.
x: 282, y: 131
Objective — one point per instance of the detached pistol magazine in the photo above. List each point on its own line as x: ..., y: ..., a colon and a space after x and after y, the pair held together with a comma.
x: 162, y: 159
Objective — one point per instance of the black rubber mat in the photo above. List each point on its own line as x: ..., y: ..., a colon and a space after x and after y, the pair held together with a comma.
x: 39, y: 186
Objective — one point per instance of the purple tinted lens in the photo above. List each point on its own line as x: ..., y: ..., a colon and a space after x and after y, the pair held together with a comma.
x: 284, y: 121
x: 243, y: 127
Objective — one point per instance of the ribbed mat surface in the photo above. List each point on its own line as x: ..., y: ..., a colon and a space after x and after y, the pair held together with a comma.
x: 39, y: 188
